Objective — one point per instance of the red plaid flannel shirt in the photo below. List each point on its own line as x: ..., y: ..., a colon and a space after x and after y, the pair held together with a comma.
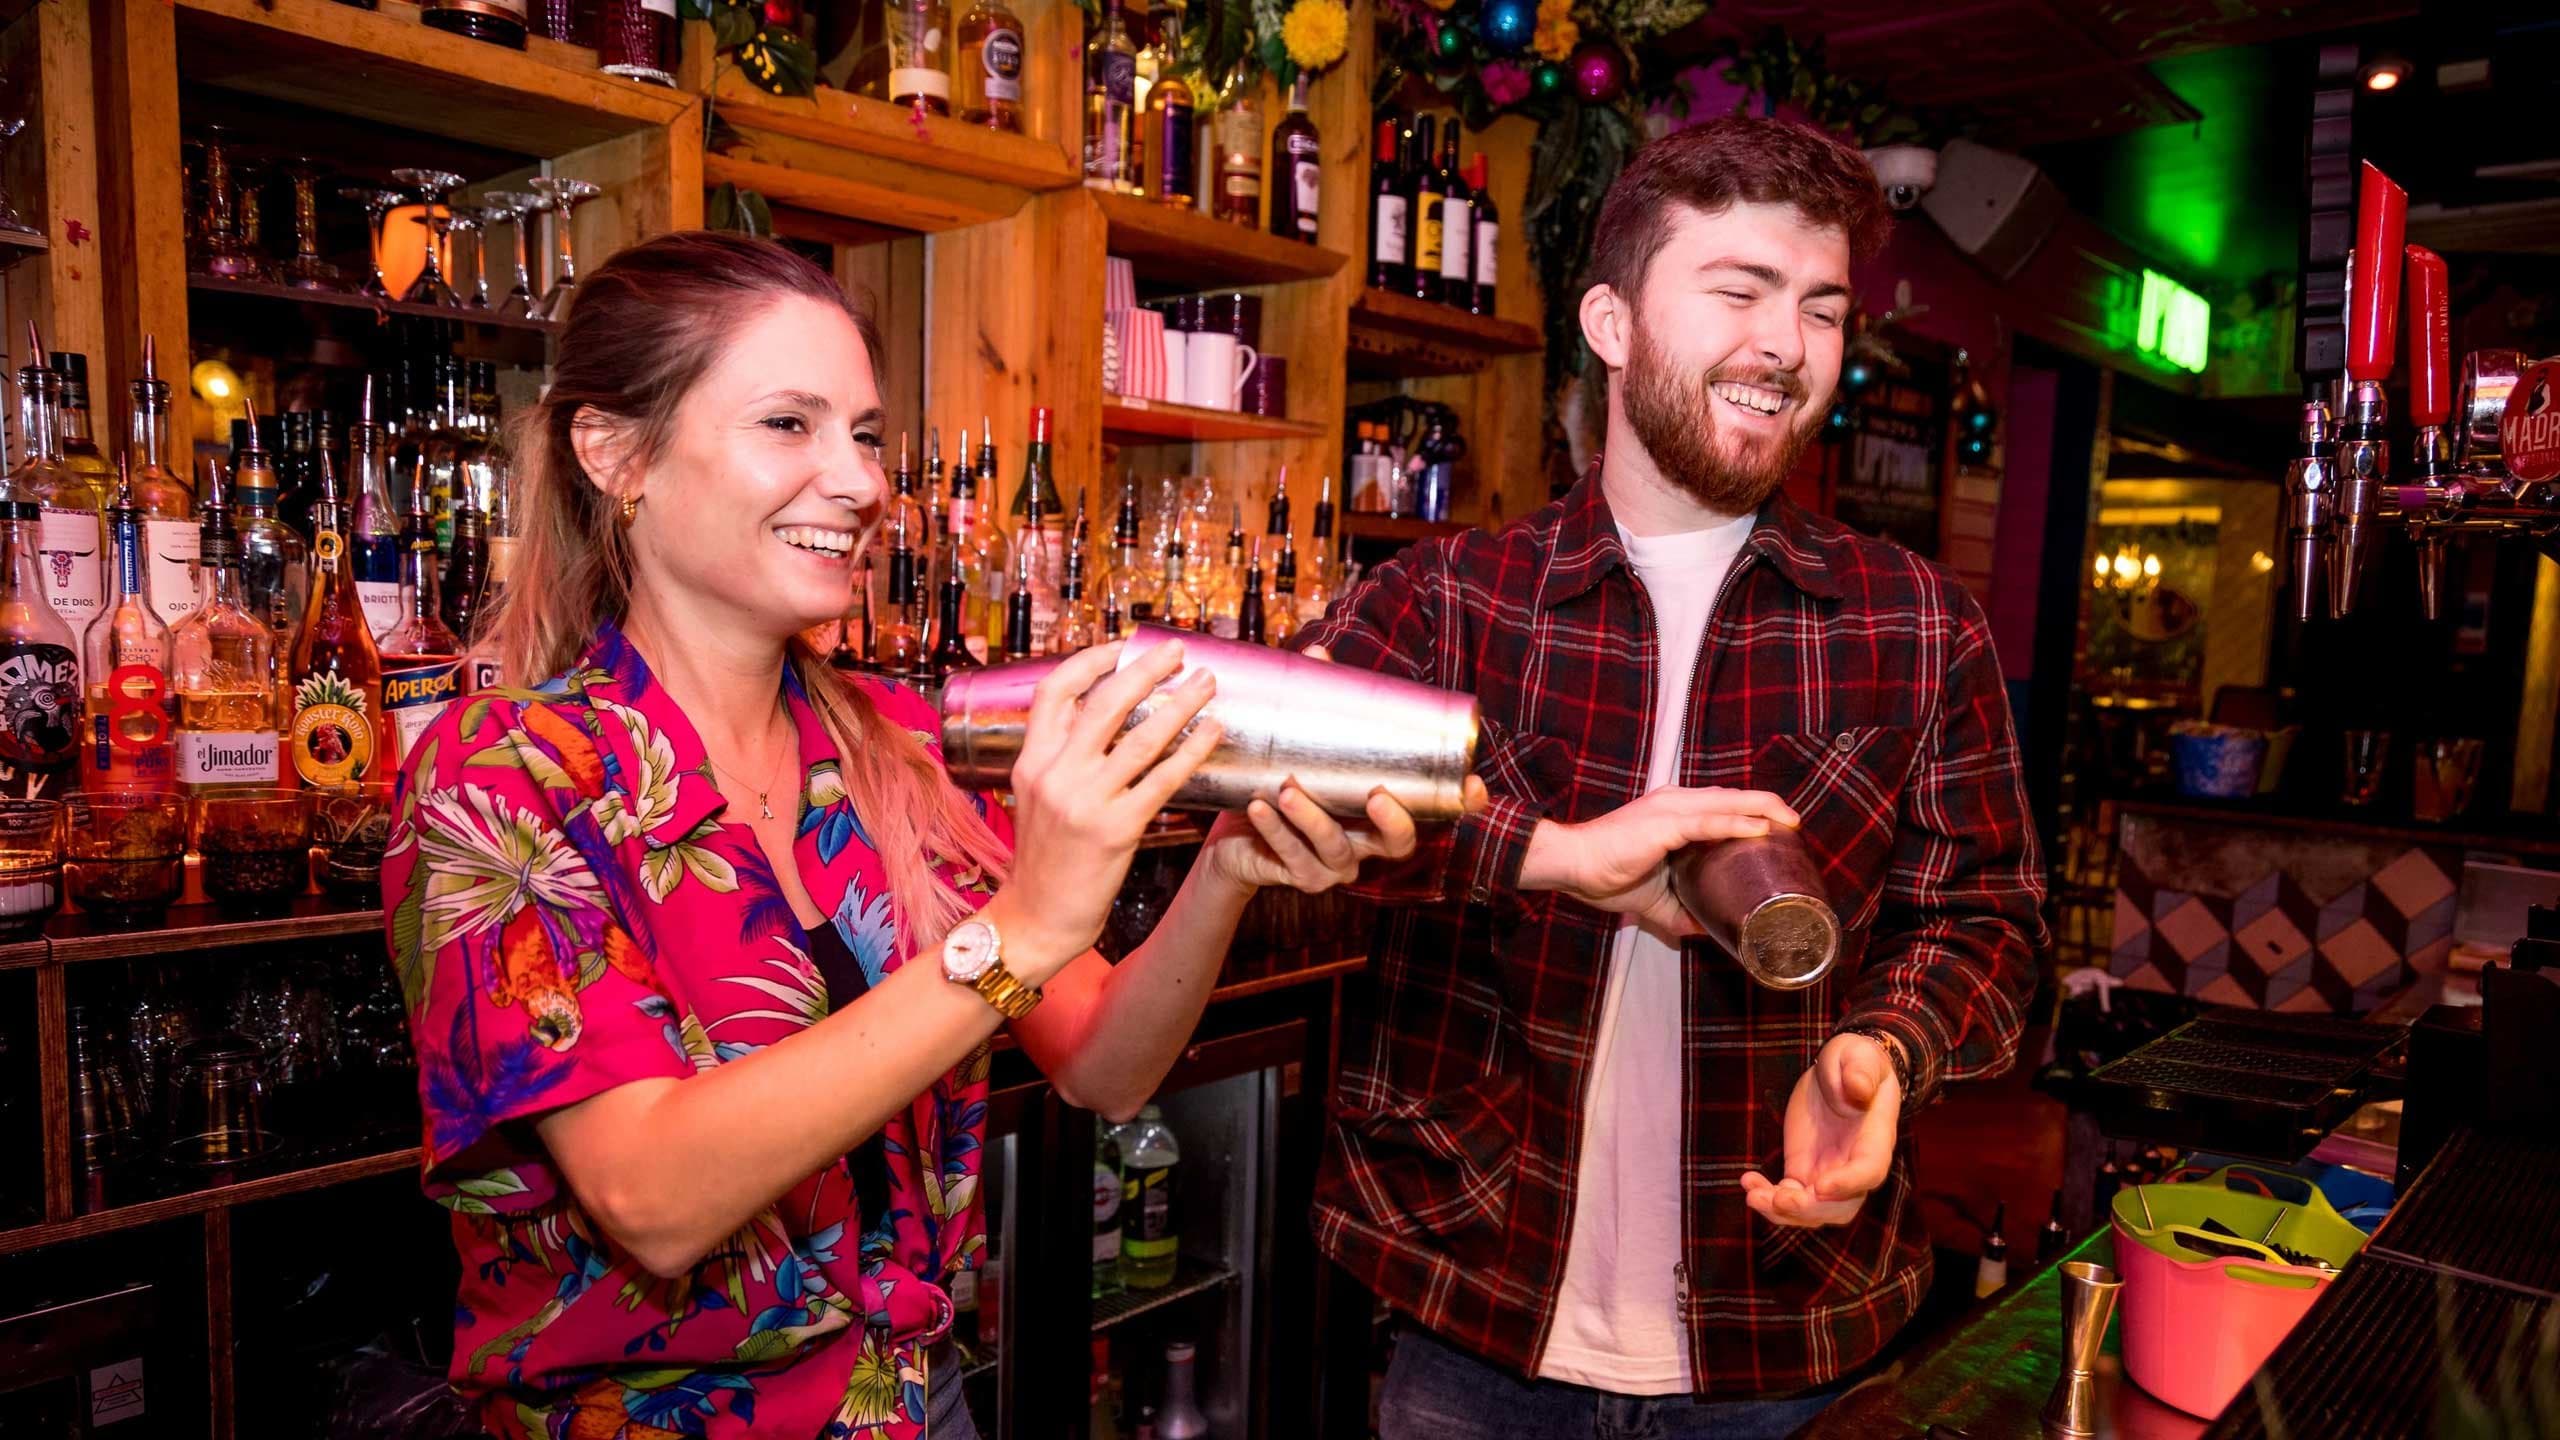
x: 1843, y: 673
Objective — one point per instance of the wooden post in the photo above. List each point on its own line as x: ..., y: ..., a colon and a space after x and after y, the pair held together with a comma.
x: 1017, y: 323
x: 142, y: 207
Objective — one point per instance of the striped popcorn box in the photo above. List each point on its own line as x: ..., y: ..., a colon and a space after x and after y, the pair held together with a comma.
x: 1110, y: 360
x: 1119, y: 286
x: 1141, y: 334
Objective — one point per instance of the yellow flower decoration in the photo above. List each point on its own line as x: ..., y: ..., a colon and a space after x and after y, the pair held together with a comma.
x: 1439, y: 4
x: 1557, y: 34
x: 1315, y: 32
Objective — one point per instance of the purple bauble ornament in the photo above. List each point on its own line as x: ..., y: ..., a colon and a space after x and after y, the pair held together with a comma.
x: 1599, y: 71
x: 1507, y: 25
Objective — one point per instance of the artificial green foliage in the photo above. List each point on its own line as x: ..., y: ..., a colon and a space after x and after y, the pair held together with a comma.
x: 744, y: 211
x: 1577, y: 157
x: 1777, y: 71
x: 778, y: 62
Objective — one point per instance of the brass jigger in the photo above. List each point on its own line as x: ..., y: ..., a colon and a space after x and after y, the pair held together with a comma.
x: 1762, y: 898
x: 1339, y: 731
x: 2088, y: 1303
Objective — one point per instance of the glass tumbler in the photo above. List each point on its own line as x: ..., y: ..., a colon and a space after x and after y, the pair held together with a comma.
x: 256, y: 847
x: 30, y: 865
x: 221, y: 1104
x: 351, y: 828
x: 125, y: 854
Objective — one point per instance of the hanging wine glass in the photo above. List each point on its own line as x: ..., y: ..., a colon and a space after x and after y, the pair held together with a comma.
x: 378, y: 203
x: 469, y: 258
x: 565, y: 195
x: 308, y: 269
x: 516, y: 209
x: 435, y: 196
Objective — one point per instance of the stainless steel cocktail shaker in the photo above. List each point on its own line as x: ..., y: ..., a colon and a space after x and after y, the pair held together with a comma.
x: 1339, y: 731
x: 1762, y: 898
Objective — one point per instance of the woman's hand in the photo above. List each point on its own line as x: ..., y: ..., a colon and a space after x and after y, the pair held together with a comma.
x: 1084, y: 793
x: 1294, y: 842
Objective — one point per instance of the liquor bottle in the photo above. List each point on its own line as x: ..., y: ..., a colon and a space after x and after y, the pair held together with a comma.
x: 78, y: 445
x: 1040, y: 530
x: 125, y: 660
x: 1297, y: 169
x: 1017, y: 608
x: 897, y: 642
x: 1275, y: 518
x: 446, y: 445
x: 466, y: 570
x: 1389, y: 213
x: 498, y: 500
x: 1166, y: 125
x: 1079, y: 625
x: 405, y: 425
x: 1110, y: 104
x: 916, y: 74
x: 275, y: 574
x: 336, y: 739
x: 1235, y: 134
x: 1223, y: 590
x: 485, y: 475
x: 375, y: 533
x: 1315, y: 583
x: 296, y: 491
x: 1107, y: 1179
x: 222, y: 664
x: 1177, y: 600
x: 905, y: 505
x: 1281, y: 619
x: 1115, y: 609
x: 1486, y: 221
x: 422, y: 660
x: 499, y: 22
x: 989, y: 556
x: 1422, y: 195
x: 957, y: 652
x: 40, y: 693
x: 1150, y: 1231
x: 74, y: 570
x: 1133, y: 580
x: 1180, y: 1418
x: 1457, y: 223
x: 168, y: 504
x: 1250, y: 623
x: 1992, y: 1270
x: 1104, y: 1416
x: 989, y: 66
x: 2051, y: 1238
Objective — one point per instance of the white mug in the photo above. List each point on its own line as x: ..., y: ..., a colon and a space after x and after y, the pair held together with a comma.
x: 1177, y: 366
x: 1219, y: 366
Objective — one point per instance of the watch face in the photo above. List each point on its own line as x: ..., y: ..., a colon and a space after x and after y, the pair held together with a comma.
x: 969, y: 952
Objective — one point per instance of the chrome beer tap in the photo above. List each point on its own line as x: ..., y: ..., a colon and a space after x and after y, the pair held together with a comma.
x: 2430, y: 405
x: 2373, y: 315
x: 2310, y: 494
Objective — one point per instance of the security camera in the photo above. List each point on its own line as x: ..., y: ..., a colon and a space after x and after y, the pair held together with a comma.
x: 1905, y: 171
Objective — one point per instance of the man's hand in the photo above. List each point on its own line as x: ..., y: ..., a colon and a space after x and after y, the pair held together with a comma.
x: 1841, y: 1124
x: 1615, y: 863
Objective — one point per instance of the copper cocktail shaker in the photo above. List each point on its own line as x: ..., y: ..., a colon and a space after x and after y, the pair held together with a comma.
x: 1762, y: 899
x: 1338, y: 731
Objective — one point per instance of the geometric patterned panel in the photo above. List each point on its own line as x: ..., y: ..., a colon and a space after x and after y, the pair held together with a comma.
x: 2277, y: 919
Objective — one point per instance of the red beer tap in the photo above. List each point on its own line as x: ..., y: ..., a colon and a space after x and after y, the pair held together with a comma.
x: 2373, y: 318
x: 2430, y: 339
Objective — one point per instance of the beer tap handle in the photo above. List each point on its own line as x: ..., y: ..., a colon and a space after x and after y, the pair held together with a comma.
x: 2373, y: 304
x: 2430, y: 339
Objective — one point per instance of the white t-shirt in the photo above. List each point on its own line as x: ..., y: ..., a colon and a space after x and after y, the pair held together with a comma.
x: 1618, y: 1320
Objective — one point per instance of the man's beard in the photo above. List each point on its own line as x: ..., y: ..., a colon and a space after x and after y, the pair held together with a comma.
x: 1673, y: 415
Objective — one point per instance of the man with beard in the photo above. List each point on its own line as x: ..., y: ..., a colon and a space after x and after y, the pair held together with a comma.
x: 1618, y: 1188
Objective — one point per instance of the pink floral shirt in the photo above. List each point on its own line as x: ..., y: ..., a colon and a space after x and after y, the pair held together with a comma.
x: 568, y: 913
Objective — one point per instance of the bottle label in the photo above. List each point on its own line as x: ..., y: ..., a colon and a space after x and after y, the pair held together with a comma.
x: 1426, y: 233
x: 1487, y: 233
x: 383, y: 611
x: 333, y: 739
x: 502, y: 560
x: 1454, y: 225
x: 496, y: 9
x: 1387, y: 244
x: 417, y: 692
x: 1175, y: 166
x: 1001, y: 58
x: 130, y: 730
x: 1304, y: 175
x: 662, y: 7
x: 1119, y: 79
x: 905, y: 83
x: 1148, y: 1231
x: 1106, y: 1214
x: 39, y: 708
x: 75, y: 582
x: 174, y: 546
x: 227, y: 757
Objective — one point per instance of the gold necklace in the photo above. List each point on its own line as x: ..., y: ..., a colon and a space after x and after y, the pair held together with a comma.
x: 780, y: 765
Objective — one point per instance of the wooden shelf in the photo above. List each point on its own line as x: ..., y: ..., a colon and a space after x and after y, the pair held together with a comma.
x: 17, y: 245
x: 73, y: 938
x: 1179, y: 249
x: 349, y: 300
x: 265, y: 316
x: 1394, y: 527
x: 860, y: 159
x: 1140, y: 421
x: 1398, y: 336
x: 216, y: 1197
x: 386, y: 65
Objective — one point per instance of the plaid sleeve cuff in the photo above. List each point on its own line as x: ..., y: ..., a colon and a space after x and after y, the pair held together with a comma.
x: 1924, y: 1044
x: 1490, y: 845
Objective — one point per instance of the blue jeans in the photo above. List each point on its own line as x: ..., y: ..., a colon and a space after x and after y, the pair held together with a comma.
x: 1437, y: 1392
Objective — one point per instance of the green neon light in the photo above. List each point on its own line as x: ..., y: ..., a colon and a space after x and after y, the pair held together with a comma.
x: 2176, y: 322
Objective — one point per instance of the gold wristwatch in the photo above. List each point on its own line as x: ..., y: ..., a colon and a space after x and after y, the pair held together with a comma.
x: 973, y: 955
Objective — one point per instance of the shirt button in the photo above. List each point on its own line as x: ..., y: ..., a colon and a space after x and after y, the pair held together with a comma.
x: 1480, y: 895
x: 1845, y: 741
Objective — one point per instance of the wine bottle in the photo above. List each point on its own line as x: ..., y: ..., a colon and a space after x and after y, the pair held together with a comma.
x: 1296, y: 171
x: 1389, y: 212
x: 1422, y: 192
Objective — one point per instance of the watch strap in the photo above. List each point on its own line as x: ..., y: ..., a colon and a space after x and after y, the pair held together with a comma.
x: 1008, y: 994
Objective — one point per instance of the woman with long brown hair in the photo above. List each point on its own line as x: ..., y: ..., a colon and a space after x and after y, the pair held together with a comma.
x: 702, y: 947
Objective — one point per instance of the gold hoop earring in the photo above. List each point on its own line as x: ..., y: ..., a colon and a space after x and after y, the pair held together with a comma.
x: 630, y: 509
